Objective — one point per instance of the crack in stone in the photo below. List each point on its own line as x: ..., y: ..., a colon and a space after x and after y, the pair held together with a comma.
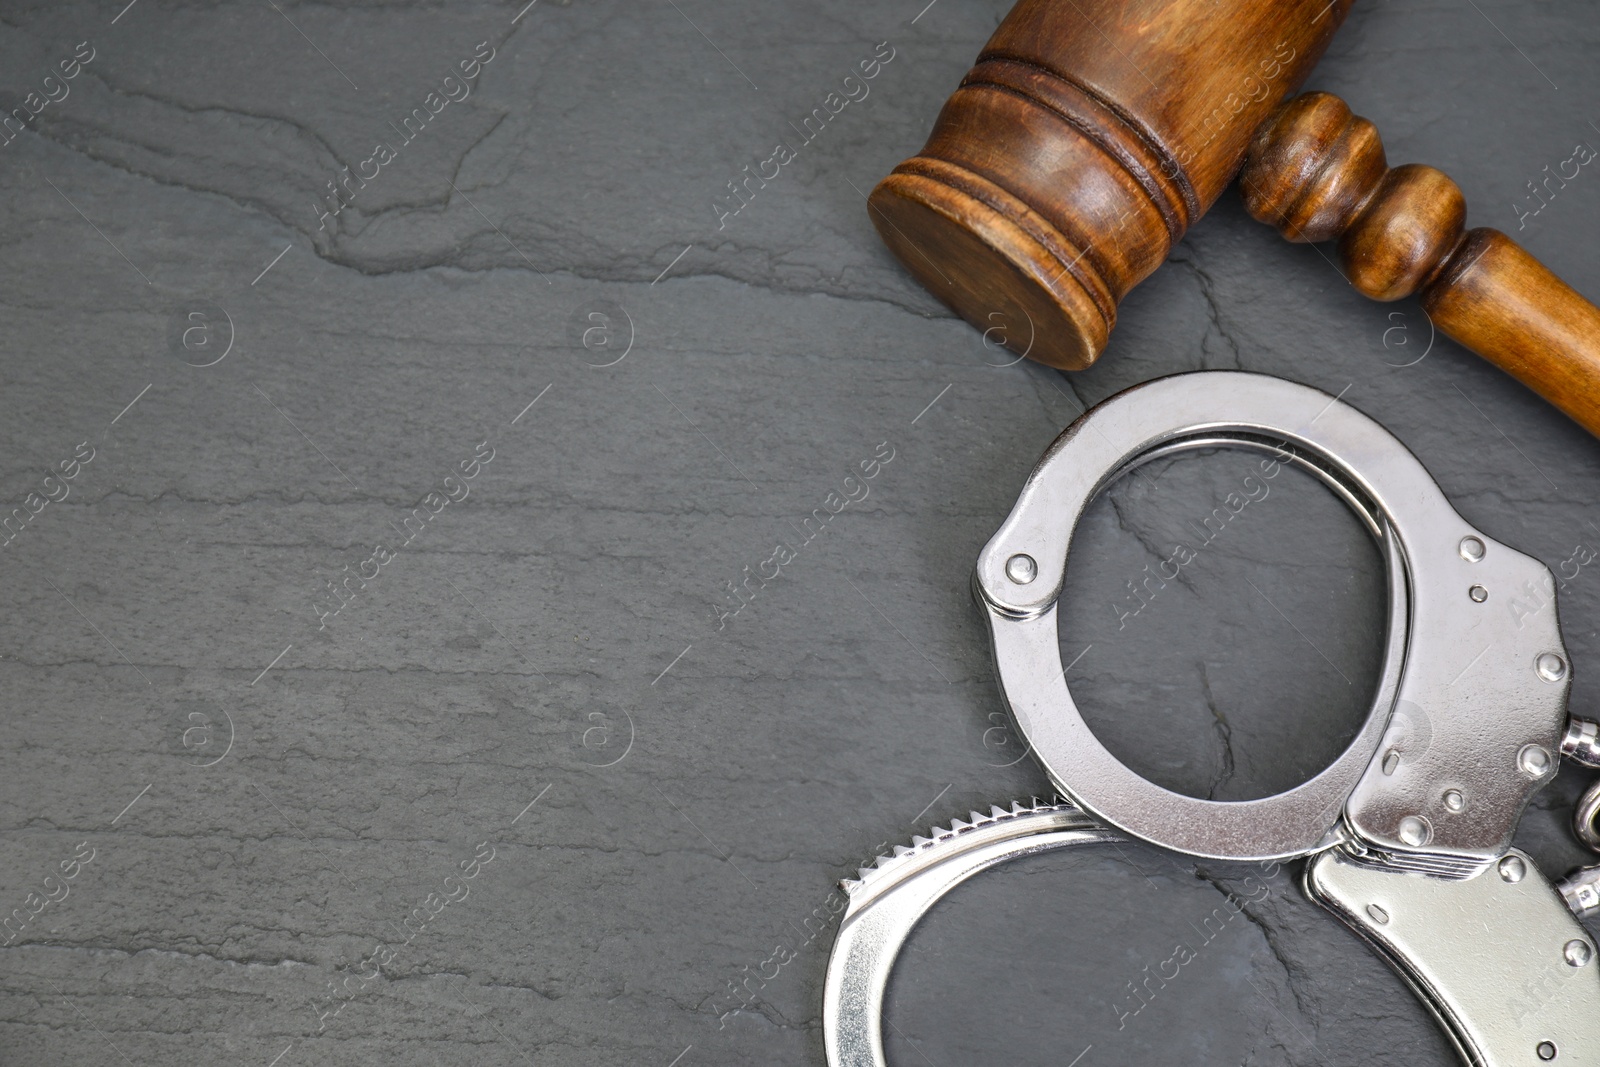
x: 1269, y: 933
x: 1128, y: 526
x: 1224, y: 733
x: 476, y: 250
x: 168, y: 951
x: 1207, y: 287
x: 1058, y: 379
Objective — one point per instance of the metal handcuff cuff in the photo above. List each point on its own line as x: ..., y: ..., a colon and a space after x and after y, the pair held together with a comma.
x: 1408, y: 832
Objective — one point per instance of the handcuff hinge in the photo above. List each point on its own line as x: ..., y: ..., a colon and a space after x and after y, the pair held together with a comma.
x: 1581, y: 890
x: 1581, y: 743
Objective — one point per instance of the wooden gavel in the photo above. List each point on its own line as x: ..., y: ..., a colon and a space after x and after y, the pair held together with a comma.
x: 1092, y: 134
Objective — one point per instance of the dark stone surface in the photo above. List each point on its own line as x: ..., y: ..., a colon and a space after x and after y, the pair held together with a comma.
x: 555, y: 634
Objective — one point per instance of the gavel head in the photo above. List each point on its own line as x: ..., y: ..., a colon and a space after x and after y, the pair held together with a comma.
x: 1087, y: 139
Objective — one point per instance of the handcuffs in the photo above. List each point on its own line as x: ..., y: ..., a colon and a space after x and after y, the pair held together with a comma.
x: 1407, y: 833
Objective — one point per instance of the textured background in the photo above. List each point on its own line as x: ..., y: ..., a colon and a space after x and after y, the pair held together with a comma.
x: 267, y: 800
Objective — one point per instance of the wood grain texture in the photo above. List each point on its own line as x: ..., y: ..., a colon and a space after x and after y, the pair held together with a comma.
x: 1066, y: 166
x: 1318, y: 172
x: 1498, y: 300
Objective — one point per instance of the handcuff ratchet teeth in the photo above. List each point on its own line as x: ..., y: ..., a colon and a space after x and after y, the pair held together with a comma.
x: 1408, y: 831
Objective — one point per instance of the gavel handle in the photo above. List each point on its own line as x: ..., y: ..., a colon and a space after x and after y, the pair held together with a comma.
x: 1316, y: 172
x: 1512, y: 310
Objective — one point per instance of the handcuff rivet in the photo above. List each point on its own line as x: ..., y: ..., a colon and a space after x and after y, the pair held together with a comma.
x: 1551, y: 667
x: 1478, y: 594
x: 1454, y: 800
x: 1577, y: 952
x: 1513, y: 870
x: 1415, y: 831
x: 1391, y: 761
x: 1546, y: 1050
x: 1471, y: 549
x: 1379, y: 916
x: 1021, y: 568
x: 1534, y: 761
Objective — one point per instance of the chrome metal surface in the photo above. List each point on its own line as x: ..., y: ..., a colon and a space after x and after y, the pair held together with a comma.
x: 1551, y: 667
x: 1535, y: 761
x: 1585, y: 814
x: 1523, y: 975
x: 1021, y: 568
x: 1413, y: 821
x: 1301, y: 820
x: 1465, y: 694
x: 893, y: 895
x: 1581, y: 890
x: 1415, y: 831
x: 1581, y: 742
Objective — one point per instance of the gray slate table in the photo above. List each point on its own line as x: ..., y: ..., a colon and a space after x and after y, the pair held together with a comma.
x: 525, y: 788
